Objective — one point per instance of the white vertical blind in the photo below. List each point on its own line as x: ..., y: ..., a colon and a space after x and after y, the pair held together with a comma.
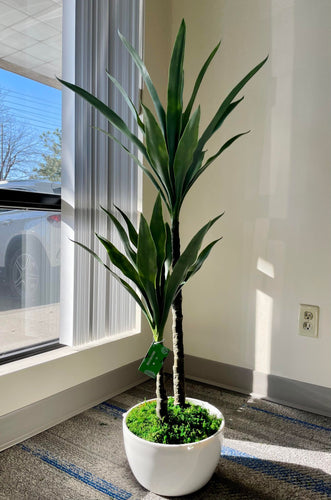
x: 104, y: 174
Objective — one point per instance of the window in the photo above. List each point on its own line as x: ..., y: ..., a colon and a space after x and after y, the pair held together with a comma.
x: 30, y: 175
x: 41, y: 302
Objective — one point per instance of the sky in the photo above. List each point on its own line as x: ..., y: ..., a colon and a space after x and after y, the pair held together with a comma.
x: 32, y: 104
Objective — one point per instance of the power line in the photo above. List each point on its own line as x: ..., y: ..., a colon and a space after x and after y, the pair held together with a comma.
x: 27, y: 96
x: 36, y: 104
x: 28, y: 116
x: 32, y: 105
x: 42, y: 126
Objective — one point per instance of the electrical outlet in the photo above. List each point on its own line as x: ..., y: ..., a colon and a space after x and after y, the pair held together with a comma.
x: 308, y: 320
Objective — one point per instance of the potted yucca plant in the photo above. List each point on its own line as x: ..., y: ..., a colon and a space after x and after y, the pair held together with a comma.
x: 175, y: 157
x: 156, y: 433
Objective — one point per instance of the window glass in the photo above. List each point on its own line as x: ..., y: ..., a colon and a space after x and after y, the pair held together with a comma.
x: 30, y: 161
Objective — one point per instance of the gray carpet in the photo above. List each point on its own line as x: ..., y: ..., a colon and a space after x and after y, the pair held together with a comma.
x: 270, y: 452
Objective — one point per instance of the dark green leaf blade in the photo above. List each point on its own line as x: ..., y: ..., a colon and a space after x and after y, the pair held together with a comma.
x: 147, y: 265
x: 157, y: 182
x: 111, y: 116
x: 127, y: 100
x: 229, y: 109
x: 168, y: 259
x: 200, y: 260
x: 184, y: 263
x: 195, y: 166
x: 146, y: 253
x: 185, y: 151
x: 147, y: 79
x: 215, y: 156
x: 175, y: 93
x: 197, y: 84
x: 158, y: 232
x: 92, y: 253
x: 196, y: 163
x: 157, y: 149
x: 120, y: 261
x: 227, y: 102
x: 133, y: 235
x: 123, y: 235
x: 136, y: 297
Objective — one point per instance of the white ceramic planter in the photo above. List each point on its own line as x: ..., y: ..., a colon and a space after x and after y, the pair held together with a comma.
x: 174, y: 469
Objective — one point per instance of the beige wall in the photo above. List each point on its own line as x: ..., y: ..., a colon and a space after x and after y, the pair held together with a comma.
x: 274, y: 184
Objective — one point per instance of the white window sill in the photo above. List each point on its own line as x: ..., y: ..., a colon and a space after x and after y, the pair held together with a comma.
x: 46, y: 374
x: 61, y: 352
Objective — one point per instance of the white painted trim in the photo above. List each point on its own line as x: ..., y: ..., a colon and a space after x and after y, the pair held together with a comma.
x: 68, y: 177
x: 21, y: 424
x: 25, y: 382
x: 293, y: 393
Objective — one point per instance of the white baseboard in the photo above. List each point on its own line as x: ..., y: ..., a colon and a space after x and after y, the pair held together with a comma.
x: 28, y: 421
x: 301, y: 395
x: 294, y: 393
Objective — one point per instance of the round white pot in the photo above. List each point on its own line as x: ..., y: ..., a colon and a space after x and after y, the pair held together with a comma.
x: 174, y: 469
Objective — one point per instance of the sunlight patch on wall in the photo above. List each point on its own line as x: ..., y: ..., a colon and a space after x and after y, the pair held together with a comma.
x: 265, y: 267
x: 263, y: 330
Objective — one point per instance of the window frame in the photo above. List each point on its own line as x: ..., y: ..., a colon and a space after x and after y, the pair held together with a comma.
x: 73, y: 16
x: 19, y: 198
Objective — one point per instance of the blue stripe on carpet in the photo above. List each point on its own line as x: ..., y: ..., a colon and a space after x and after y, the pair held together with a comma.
x: 112, y: 410
x: 291, y: 419
x: 78, y: 473
x: 277, y: 471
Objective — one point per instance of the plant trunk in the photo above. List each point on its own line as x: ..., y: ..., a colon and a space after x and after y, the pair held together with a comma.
x: 161, y: 396
x: 177, y: 326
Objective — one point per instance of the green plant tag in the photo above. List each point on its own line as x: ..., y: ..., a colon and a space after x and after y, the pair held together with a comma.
x: 153, y: 361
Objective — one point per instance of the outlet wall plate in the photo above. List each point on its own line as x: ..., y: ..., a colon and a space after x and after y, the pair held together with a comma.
x: 308, y: 320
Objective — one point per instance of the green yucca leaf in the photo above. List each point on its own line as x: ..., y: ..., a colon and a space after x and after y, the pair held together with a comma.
x: 158, y: 232
x: 136, y: 297
x: 175, y: 93
x: 92, y: 253
x: 133, y: 235
x: 127, y: 100
x: 111, y: 116
x: 223, y: 148
x: 147, y: 79
x: 185, y: 151
x: 197, y: 84
x: 157, y: 150
x: 123, y: 235
x: 168, y: 258
x: 200, y: 260
x: 184, y: 263
x: 146, y: 253
x: 120, y: 261
x: 145, y: 309
x: 157, y: 182
x: 215, y: 156
x: 145, y: 286
x: 223, y: 109
x: 147, y: 265
x: 196, y: 164
x: 229, y: 109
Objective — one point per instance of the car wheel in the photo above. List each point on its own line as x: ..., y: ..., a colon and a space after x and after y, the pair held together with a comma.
x: 27, y: 271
